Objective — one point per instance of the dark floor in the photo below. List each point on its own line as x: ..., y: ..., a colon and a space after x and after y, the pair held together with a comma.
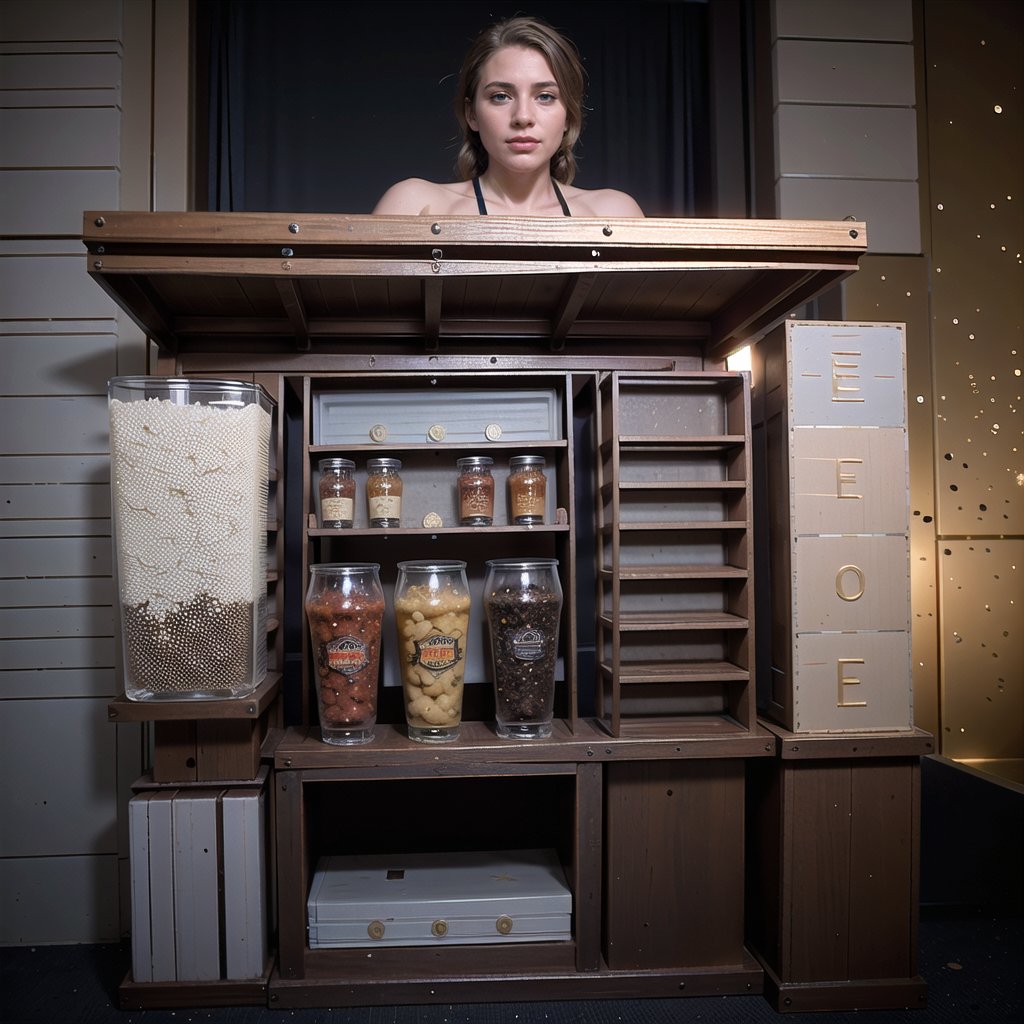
x: 972, y: 962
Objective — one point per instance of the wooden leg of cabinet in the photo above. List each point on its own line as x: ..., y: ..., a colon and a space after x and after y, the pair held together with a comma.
x: 833, y: 897
x: 292, y: 875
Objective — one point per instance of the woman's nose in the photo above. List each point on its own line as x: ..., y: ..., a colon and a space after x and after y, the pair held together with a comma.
x: 522, y: 115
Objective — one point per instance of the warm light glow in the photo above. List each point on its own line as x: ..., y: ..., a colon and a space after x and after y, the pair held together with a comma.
x: 739, y: 360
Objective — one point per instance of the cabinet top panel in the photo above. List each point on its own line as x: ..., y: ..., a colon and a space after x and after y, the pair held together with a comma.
x: 331, y: 283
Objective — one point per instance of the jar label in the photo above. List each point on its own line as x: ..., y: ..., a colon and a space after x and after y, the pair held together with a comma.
x: 347, y: 655
x: 437, y: 654
x: 334, y: 509
x: 387, y: 506
x: 529, y: 645
x: 476, y: 501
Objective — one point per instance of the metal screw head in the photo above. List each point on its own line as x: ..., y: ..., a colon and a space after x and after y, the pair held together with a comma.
x: 436, y: 254
x: 606, y: 231
x: 293, y: 228
x: 435, y: 228
x: 853, y: 232
x: 287, y: 252
x: 99, y: 222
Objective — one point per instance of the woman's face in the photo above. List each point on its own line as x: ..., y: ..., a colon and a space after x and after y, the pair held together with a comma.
x: 518, y: 110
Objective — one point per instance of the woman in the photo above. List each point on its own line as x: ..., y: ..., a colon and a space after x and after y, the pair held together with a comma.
x: 520, y: 107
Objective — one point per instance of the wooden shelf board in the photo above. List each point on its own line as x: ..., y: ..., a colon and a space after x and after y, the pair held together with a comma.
x: 677, y: 572
x: 673, y: 726
x: 479, y: 751
x: 629, y: 622
x: 681, y: 485
x: 549, y: 982
x: 678, y: 672
x: 689, y: 524
x: 124, y: 710
x: 679, y: 442
x: 809, y: 746
x: 193, y: 280
x: 419, y: 531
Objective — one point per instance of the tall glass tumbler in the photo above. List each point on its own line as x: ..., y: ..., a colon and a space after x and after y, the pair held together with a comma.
x: 189, y: 481
x: 432, y: 616
x: 345, y: 609
x: 523, y: 603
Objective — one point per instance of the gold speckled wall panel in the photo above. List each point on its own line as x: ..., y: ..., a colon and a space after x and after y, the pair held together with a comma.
x: 974, y: 67
x: 974, y: 56
x: 982, y: 653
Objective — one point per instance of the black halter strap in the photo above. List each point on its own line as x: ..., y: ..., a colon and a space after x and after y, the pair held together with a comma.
x: 481, y: 206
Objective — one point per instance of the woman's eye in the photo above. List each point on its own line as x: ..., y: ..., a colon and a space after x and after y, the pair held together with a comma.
x: 547, y: 97
x: 499, y: 97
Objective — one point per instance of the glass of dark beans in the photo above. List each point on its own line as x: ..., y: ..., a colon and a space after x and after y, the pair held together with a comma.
x: 523, y: 603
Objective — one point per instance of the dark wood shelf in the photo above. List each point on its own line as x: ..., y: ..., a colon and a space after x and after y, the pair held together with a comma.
x: 479, y: 750
x: 640, y: 622
x: 122, y: 709
x: 678, y: 572
x: 682, y: 672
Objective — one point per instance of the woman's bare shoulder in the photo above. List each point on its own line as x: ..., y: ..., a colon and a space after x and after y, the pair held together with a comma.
x: 602, y: 202
x: 417, y: 196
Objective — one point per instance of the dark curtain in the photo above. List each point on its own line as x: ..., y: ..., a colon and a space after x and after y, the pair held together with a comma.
x: 320, y: 105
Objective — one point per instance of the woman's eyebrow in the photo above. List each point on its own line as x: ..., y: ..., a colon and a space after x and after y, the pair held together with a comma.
x: 509, y: 85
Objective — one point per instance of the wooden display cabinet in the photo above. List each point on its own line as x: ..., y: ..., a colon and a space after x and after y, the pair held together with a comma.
x: 316, y: 305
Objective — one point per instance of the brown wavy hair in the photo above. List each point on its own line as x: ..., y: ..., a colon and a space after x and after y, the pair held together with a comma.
x: 564, y: 58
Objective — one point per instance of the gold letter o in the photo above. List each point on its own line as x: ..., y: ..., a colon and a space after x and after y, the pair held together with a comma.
x: 839, y: 583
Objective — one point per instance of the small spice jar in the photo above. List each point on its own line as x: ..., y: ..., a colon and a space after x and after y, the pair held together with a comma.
x: 384, y: 492
x: 476, y: 491
x: 527, y: 488
x: 336, y: 493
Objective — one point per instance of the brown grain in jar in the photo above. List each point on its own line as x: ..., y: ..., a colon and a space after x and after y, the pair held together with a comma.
x: 476, y: 491
x: 337, y: 493
x: 527, y: 488
x: 384, y: 492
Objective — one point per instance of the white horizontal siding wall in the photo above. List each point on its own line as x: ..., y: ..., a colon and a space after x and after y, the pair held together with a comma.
x: 845, y: 119
x: 76, y: 100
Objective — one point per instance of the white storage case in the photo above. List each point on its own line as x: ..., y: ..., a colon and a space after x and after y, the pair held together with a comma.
x: 428, y: 899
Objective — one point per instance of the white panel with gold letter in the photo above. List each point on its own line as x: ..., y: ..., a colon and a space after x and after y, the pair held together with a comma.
x: 848, y: 682
x: 835, y: 509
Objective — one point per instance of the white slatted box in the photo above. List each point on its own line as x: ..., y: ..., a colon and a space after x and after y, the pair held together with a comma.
x: 439, y: 899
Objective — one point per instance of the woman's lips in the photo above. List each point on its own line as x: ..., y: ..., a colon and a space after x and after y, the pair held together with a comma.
x: 522, y: 143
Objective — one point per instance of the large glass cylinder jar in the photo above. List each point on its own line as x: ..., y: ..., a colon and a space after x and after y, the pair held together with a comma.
x: 432, y: 617
x: 523, y: 603
x: 189, y: 471
x: 345, y: 608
